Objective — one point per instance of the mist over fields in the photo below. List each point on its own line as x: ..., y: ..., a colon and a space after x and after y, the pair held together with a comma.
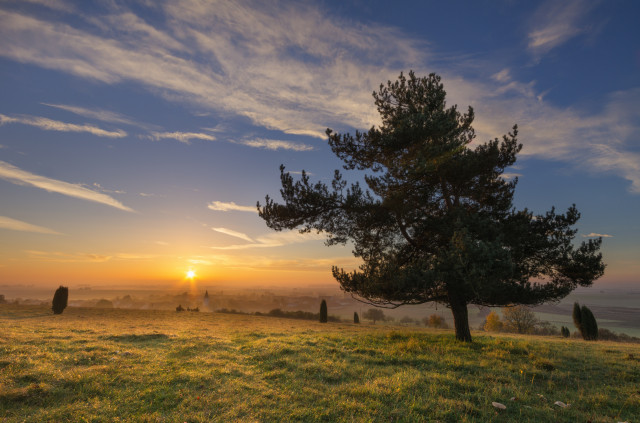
x: 615, y: 309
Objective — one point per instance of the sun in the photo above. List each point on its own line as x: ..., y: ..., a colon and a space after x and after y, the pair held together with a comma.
x: 191, y: 274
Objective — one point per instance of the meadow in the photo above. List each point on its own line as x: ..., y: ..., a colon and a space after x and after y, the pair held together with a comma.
x: 104, y: 365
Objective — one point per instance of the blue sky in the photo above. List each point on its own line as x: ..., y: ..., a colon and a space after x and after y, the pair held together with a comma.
x: 136, y: 137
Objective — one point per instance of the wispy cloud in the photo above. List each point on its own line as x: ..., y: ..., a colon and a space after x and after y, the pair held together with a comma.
x: 22, y: 177
x: 249, y: 71
x: 233, y: 233
x: 65, y: 257
x: 98, y: 114
x: 62, y: 257
x: 595, y: 235
x: 231, y: 206
x: 184, y: 137
x: 18, y: 225
x: 554, y: 23
x: 276, y: 144
x: 276, y: 239
x: 318, y: 71
x: 55, y: 125
x: 107, y: 191
x: 60, y: 5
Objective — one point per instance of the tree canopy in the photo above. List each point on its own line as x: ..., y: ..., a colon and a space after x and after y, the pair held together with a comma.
x: 437, y: 221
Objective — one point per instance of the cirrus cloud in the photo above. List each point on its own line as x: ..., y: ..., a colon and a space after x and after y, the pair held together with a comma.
x: 18, y: 225
x: 55, y: 125
x: 21, y: 177
x: 230, y: 206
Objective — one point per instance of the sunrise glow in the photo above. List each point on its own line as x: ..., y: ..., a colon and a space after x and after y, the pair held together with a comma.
x: 173, y: 151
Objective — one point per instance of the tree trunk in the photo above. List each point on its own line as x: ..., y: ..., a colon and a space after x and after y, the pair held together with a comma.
x: 460, y: 318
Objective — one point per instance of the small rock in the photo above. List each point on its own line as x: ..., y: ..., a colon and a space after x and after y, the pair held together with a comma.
x: 499, y: 406
x: 562, y: 404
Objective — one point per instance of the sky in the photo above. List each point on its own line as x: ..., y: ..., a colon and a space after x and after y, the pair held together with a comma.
x: 137, y: 137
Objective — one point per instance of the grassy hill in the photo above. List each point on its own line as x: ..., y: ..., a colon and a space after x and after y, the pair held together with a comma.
x: 135, y: 365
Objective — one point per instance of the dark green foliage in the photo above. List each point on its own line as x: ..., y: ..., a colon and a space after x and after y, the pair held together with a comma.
x: 356, y: 318
x: 437, y: 222
x: 585, y: 322
x: 60, y: 298
x: 577, y: 317
x: 589, y: 324
x: 564, y: 331
x: 323, y: 312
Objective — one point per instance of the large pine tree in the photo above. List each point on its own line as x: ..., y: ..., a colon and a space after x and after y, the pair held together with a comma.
x: 437, y: 221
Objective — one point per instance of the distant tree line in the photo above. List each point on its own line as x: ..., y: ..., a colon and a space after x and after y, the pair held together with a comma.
x: 276, y: 312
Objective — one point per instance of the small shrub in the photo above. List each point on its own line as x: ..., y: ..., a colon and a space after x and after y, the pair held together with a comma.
x: 179, y: 308
x: 436, y: 321
x: 493, y: 323
x: 323, y: 312
x: 356, y: 319
x: 564, y: 331
x: 60, y: 298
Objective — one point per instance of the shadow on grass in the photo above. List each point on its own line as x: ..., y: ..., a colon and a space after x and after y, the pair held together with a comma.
x: 138, y: 338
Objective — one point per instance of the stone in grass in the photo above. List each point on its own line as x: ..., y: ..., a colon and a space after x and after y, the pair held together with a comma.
x: 562, y: 404
x: 499, y: 406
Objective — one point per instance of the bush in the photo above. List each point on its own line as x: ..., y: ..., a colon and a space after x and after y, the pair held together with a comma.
x: 435, y: 321
x: 607, y: 335
x: 323, y: 312
x: 356, y: 319
x: 519, y: 319
x: 564, y: 331
x: 493, y: 323
x: 585, y: 322
x: 60, y: 298
x: 179, y: 308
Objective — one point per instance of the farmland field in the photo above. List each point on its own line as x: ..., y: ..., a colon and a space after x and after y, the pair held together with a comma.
x: 140, y: 365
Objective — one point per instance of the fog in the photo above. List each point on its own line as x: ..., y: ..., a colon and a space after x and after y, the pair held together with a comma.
x: 615, y: 309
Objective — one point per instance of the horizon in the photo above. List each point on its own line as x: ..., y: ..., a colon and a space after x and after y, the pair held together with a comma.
x: 135, y: 140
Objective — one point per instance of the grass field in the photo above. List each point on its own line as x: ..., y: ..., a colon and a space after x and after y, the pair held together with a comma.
x: 135, y: 365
